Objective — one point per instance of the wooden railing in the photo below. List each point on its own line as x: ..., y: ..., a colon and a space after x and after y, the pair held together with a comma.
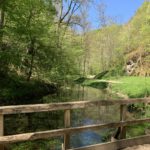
x: 68, y: 130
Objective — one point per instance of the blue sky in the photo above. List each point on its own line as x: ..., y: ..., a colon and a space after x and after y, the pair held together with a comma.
x: 122, y: 10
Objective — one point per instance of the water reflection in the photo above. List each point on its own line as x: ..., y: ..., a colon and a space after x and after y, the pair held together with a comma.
x: 88, y: 115
x: 78, y: 92
x: 87, y: 137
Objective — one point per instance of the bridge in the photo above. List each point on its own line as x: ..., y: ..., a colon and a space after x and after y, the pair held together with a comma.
x: 121, y: 125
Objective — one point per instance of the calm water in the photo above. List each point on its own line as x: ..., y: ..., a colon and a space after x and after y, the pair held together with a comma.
x: 89, y: 115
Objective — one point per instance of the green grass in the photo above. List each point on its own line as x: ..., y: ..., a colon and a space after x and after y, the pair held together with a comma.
x: 134, y: 87
x: 37, y: 145
x: 137, y: 130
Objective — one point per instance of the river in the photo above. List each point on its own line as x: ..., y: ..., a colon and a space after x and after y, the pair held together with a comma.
x: 89, y: 115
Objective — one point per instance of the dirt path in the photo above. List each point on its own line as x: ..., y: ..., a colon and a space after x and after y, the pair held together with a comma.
x: 140, y: 147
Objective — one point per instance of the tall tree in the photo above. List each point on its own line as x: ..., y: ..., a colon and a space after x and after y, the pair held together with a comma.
x: 85, y: 26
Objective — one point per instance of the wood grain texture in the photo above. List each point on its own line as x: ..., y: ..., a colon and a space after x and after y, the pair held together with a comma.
x: 123, y: 118
x: 117, y: 145
x: 67, y: 122
x: 1, y: 125
x: 1, y: 129
x: 66, y: 105
x: 62, y: 132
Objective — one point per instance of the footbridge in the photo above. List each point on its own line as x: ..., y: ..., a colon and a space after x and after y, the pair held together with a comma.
x: 121, y: 141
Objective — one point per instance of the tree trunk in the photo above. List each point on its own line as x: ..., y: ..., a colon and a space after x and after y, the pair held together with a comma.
x: 31, y: 68
x: 32, y: 52
x: 2, y: 16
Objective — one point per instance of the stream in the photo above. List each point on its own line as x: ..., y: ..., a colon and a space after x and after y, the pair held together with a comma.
x: 89, y: 115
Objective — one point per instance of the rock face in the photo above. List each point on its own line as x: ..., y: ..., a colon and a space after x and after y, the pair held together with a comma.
x: 130, y: 67
x: 138, y: 63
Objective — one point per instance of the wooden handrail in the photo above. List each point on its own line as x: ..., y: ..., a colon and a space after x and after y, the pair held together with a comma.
x: 118, y: 145
x: 62, y: 132
x: 66, y: 106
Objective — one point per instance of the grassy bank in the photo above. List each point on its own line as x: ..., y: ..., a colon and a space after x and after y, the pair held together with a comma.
x: 133, y: 87
x: 16, y: 90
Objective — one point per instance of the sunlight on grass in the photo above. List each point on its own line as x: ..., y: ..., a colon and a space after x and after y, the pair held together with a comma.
x: 133, y: 86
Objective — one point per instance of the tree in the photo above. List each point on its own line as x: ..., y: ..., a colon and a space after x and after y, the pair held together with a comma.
x: 106, y: 40
x: 135, y: 42
x: 85, y: 26
x: 23, y: 32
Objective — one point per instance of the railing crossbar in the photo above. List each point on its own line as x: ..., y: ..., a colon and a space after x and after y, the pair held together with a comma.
x: 5, y: 110
x: 66, y: 107
x: 62, y: 132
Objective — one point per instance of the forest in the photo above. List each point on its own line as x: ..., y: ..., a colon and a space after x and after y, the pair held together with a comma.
x: 48, y: 45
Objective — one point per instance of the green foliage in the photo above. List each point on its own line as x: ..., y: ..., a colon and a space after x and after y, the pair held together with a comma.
x: 38, y: 145
x: 32, y: 46
x: 134, y: 87
x: 30, y: 42
x: 30, y: 32
x: 104, y: 54
x: 16, y: 90
x: 137, y: 130
x: 112, y: 46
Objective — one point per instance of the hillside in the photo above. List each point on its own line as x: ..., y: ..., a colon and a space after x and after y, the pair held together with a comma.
x: 125, y: 48
x: 137, y: 47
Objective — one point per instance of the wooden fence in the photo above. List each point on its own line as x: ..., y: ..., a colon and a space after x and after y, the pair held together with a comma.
x: 68, y: 130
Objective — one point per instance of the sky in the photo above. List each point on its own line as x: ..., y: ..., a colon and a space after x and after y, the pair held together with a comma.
x: 121, y: 10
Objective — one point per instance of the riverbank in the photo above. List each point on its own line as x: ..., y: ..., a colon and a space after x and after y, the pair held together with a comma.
x: 16, y: 90
x: 133, y: 87
x: 128, y: 87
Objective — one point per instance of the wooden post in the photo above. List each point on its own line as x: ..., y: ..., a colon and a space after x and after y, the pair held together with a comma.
x: 1, y: 129
x: 67, y: 125
x: 122, y: 118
